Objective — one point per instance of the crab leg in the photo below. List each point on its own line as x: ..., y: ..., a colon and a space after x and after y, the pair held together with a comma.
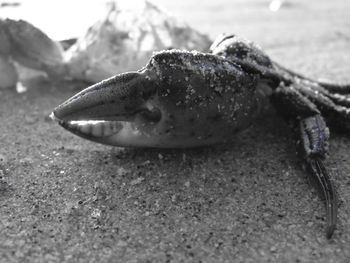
x: 334, y: 107
x: 314, y: 135
x: 339, y: 88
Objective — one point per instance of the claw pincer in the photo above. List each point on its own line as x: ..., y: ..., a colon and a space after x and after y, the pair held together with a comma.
x: 180, y: 99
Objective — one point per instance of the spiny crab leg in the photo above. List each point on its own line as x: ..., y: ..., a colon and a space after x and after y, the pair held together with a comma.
x: 336, y: 88
x: 326, y: 184
x: 314, y: 135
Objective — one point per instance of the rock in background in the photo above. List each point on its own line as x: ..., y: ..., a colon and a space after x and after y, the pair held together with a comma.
x: 125, y: 39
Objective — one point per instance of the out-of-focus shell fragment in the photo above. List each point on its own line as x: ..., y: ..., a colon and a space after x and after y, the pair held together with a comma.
x: 5, y: 45
x: 8, y: 74
x: 33, y: 48
x: 126, y: 38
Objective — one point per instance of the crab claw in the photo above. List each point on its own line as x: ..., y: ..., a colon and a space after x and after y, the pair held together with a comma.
x: 111, y: 111
x: 179, y: 99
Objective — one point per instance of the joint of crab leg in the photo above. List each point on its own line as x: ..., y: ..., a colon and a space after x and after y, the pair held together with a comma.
x: 153, y: 114
x: 315, y: 135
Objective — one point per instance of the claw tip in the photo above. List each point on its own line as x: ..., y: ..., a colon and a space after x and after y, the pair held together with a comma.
x: 53, y: 116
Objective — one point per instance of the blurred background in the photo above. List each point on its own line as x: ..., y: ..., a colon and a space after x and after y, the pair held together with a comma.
x: 280, y: 27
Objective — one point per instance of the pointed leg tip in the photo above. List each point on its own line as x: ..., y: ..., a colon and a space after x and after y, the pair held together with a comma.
x: 330, y: 231
x: 327, y: 187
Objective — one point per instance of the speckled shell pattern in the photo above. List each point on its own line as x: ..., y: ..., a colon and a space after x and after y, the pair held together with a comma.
x: 202, y: 96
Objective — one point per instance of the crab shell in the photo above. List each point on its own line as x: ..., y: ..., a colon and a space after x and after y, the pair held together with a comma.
x: 180, y: 99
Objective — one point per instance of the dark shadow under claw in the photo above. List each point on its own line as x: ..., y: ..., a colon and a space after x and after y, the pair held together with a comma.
x: 325, y: 182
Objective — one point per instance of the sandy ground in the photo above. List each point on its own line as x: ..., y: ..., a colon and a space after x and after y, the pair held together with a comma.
x: 64, y: 199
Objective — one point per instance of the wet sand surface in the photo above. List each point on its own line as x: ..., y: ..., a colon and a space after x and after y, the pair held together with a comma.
x: 64, y: 199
